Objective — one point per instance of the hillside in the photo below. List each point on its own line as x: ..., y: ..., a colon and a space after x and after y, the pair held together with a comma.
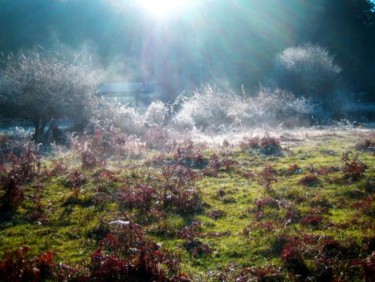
x: 294, y: 205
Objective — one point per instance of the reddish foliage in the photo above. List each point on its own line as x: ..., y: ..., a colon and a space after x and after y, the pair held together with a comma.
x: 353, y: 168
x: 270, y: 145
x: 22, y: 169
x: 191, y: 231
x: 250, y: 143
x: 217, y: 164
x: 309, y: 180
x: 18, y: 267
x: 313, y: 220
x: 261, y: 274
x: 140, y: 197
x: 324, y: 170
x: 197, y: 248
x: 58, y: 168
x: 269, y: 175
x: 127, y: 255
x: 216, y: 214
x: 267, y: 226
x: 367, y: 267
x: 293, y: 261
x: 271, y: 202
x: 366, y: 145
x: 178, y: 191
x: 88, y: 159
x: 266, y: 145
x: 76, y: 179
x: 293, y: 169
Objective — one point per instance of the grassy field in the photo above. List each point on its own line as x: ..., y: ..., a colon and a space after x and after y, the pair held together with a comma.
x: 293, y: 206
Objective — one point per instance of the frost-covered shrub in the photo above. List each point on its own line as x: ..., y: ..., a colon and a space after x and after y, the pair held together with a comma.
x: 157, y: 113
x: 207, y: 109
x: 273, y: 107
x: 306, y: 70
x: 215, y: 110
x: 126, y: 118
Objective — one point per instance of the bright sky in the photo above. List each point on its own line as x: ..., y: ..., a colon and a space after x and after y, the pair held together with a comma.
x: 165, y: 8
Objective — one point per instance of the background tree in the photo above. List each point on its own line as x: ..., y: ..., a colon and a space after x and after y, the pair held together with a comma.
x: 309, y: 71
x: 347, y: 28
x: 42, y: 87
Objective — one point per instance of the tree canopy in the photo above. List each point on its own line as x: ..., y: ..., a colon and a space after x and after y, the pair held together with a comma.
x: 40, y: 87
x: 225, y: 42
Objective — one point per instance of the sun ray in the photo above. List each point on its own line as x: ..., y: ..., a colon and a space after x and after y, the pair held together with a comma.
x: 164, y: 8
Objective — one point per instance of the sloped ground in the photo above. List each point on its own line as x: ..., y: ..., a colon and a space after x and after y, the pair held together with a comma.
x: 294, y: 205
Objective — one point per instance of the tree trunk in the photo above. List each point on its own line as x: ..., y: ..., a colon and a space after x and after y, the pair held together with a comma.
x: 39, y: 125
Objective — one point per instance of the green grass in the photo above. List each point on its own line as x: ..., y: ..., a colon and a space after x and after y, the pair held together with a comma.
x: 74, y: 221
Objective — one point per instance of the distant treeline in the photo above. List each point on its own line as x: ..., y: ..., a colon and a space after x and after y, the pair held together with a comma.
x: 226, y: 42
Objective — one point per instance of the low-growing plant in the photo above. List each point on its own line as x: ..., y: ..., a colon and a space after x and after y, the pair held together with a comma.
x: 178, y: 191
x: 21, y: 169
x: 309, y: 180
x: 294, y: 263
x: 267, y: 145
x: 88, y: 159
x: 261, y: 274
x: 218, y: 164
x: 268, y: 176
x: 197, y: 248
x: 191, y: 232
x: 353, y: 168
x: 17, y: 266
x: 312, y: 220
x: 366, y: 145
x: 293, y: 169
x: 367, y: 267
x: 126, y: 254
x: 75, y: 180
x: 216, y: 214
x: 140, y: 197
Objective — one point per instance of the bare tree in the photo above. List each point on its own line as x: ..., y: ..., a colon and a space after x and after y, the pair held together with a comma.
x: 41, y: 87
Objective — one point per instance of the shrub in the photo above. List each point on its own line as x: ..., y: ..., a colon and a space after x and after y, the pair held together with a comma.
x: 309, y: 180
x: 308, y: 71
x: 353, y: 168
x: 139, y: 197
x: 273, y: 107
x: 157, y: 114
x: 207, y: 109
x: 123, y: 117
x: 127, y: 254
x: 266, y: 145
x: 366, y: 145
x: 262, y: 274
x: 268, y: 176
x: 293, y: 261
x: 367, y: 267
x: 212, y: 109
x: 22, y: 169
x: 18, y: 267
x: 178, y: 191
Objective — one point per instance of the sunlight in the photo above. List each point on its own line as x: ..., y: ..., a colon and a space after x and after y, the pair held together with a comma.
x: 164, y: 8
